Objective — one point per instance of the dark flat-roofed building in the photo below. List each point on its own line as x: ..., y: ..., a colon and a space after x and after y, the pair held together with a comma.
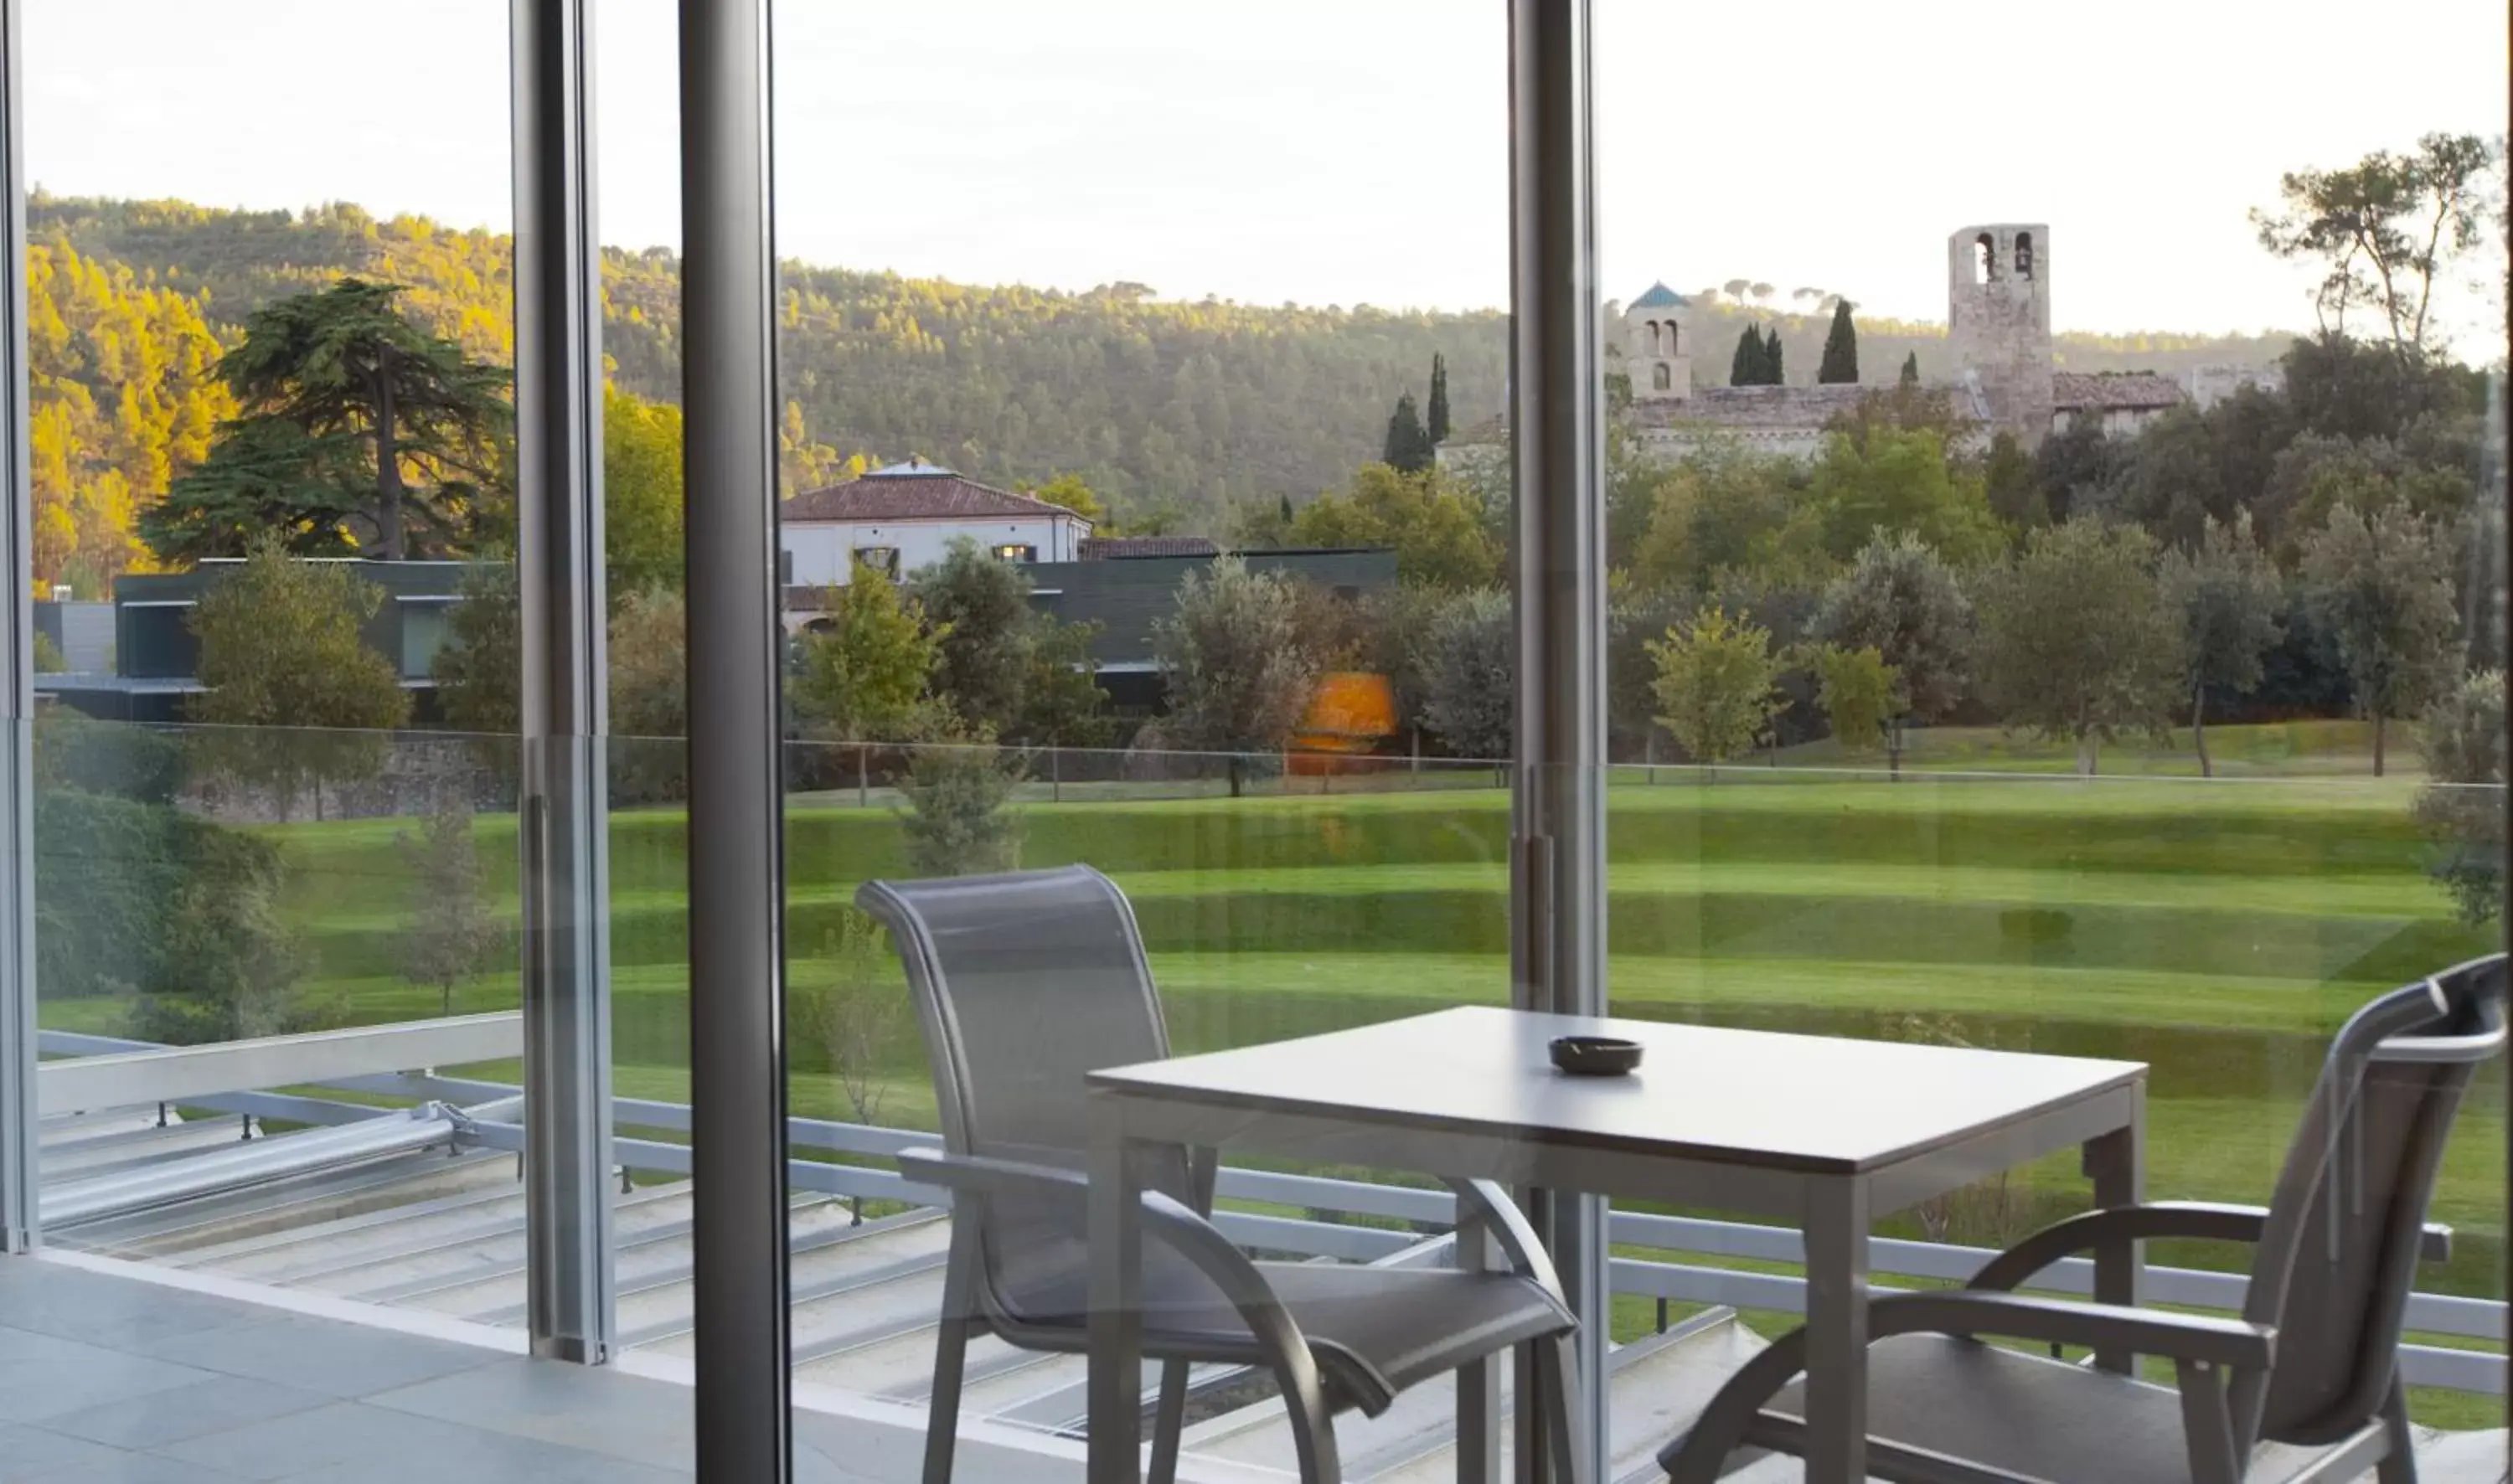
x: 1126, y: 596
x: 156, y: 657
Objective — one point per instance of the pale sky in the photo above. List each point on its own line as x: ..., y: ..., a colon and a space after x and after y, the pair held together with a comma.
x: 1338, y: 151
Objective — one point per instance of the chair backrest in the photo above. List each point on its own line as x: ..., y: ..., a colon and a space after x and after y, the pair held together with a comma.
x: 2339, y: 1254
x: 1024, y: 981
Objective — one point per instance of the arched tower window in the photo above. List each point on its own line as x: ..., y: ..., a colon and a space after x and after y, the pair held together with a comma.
x: 1984, y: 258
x: 2023, y: 255
x: 1662, y: 377
x: 1671, y: 332
x: 1652, y: 327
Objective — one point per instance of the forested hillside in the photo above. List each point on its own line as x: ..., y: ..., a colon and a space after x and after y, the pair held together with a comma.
x: 1149, y: 400
x: 1156, y: 404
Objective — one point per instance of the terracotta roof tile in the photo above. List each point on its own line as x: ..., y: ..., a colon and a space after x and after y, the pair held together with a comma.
x: 926, y: 494
x: 2078, y: 391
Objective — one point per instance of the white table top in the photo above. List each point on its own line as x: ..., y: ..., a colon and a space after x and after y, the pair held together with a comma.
x: 1804, y: 1103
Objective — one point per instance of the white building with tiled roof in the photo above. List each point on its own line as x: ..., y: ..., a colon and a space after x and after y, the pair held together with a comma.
x: 907, y: 516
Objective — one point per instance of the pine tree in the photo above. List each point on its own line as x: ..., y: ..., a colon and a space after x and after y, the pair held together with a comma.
x: 1773, y: 373
x: 1409, y: 445
x: 1747, y: 367
x: 1911, y: 368
x: 362, y: 385
x: 1438, y: 422
x: 1840, y: 349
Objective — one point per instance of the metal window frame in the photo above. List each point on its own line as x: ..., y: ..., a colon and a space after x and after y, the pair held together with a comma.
x: 735, y: 808
x: 564, y: 834
x: 21, y: 1228
x: 1558, y: 834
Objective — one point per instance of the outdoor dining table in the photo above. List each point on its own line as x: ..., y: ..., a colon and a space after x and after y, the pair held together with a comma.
x: 1826, y: 1133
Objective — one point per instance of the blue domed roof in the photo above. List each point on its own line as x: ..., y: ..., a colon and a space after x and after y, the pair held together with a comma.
x: 1660, y: 296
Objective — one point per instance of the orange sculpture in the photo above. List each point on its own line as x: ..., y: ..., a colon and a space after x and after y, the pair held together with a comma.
x: 1351, y: 713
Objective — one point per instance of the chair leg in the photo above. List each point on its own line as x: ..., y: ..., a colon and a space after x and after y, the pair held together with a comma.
x: 1167, y: 1422
x: 1313, y: 1440
x: 2399, y: 1464
x: 951, y: 1360
x: 943, y: 1410
x: 1557, y: 1362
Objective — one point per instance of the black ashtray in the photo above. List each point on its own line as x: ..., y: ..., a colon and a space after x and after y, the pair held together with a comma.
x: 1595, y: 1056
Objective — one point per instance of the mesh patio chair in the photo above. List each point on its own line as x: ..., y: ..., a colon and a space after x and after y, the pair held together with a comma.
x: 2311, y: 1363
x: 1025, y: 981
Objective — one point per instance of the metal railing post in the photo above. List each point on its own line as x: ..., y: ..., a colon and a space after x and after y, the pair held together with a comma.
x: 735, y: 828
x: 564, y: 827
x: 1558, y: 859
x: 18, y: 1224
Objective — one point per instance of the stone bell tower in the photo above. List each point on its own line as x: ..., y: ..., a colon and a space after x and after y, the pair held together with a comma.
x: 1657, y: 345
x: 1998, y: 321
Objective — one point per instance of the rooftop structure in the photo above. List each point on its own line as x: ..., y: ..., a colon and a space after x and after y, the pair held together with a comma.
x: 907, y: 516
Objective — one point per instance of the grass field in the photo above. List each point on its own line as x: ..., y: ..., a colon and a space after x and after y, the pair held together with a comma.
x: 2219, y: 932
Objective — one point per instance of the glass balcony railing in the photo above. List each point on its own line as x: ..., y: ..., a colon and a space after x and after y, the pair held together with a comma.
x: 200, y: 888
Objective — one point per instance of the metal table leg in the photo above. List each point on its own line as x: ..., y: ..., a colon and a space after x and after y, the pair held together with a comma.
x: 1836, y: 1372
x: 1116, y: 1386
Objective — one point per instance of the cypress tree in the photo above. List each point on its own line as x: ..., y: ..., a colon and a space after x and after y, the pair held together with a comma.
x: 1911, y: 368
x: 1771, y: 364
x: 1840, y: 349
x: 1746, y: 369
x: 1409, y: 445
x: 1438, y: 422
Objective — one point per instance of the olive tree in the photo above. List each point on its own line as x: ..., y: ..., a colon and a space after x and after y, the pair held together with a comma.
x: 2076, y: 641
x: 2227, y: 595
x: 1901, y: 599
x: 1231, y: 660
x: 2383, y: 584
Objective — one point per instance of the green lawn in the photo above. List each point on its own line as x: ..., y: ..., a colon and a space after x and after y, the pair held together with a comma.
x: 2216, y: 931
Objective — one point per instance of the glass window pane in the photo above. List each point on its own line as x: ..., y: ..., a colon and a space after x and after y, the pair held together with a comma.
x: 2059, y: 609
x: 275, y: 771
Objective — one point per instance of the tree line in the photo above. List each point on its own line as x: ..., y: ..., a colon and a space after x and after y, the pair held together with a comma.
x: 1175, y: 412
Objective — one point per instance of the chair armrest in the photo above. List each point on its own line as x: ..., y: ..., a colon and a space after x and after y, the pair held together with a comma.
x: 2230, y: 1343
x: 1171, y: 1224
x: 2202, y: 1221
x: 1697, y: 1456
x: 1506, y: 1224
x: 2103, y: 1227
x: 983, y: 1175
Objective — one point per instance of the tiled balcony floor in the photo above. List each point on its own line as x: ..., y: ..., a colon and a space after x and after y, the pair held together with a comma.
x: 111, y: 1377
x: 108, y: 1377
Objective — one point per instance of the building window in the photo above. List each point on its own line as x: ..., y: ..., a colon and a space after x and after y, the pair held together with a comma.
x: 2023, y: 255
x: 785, y: 567
x: 1662, y: 377
x: 882, y: 559
x: 1673, y: 344
x: 423, y: 632
x: 1984, y: 258
x: 1016, y: 553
